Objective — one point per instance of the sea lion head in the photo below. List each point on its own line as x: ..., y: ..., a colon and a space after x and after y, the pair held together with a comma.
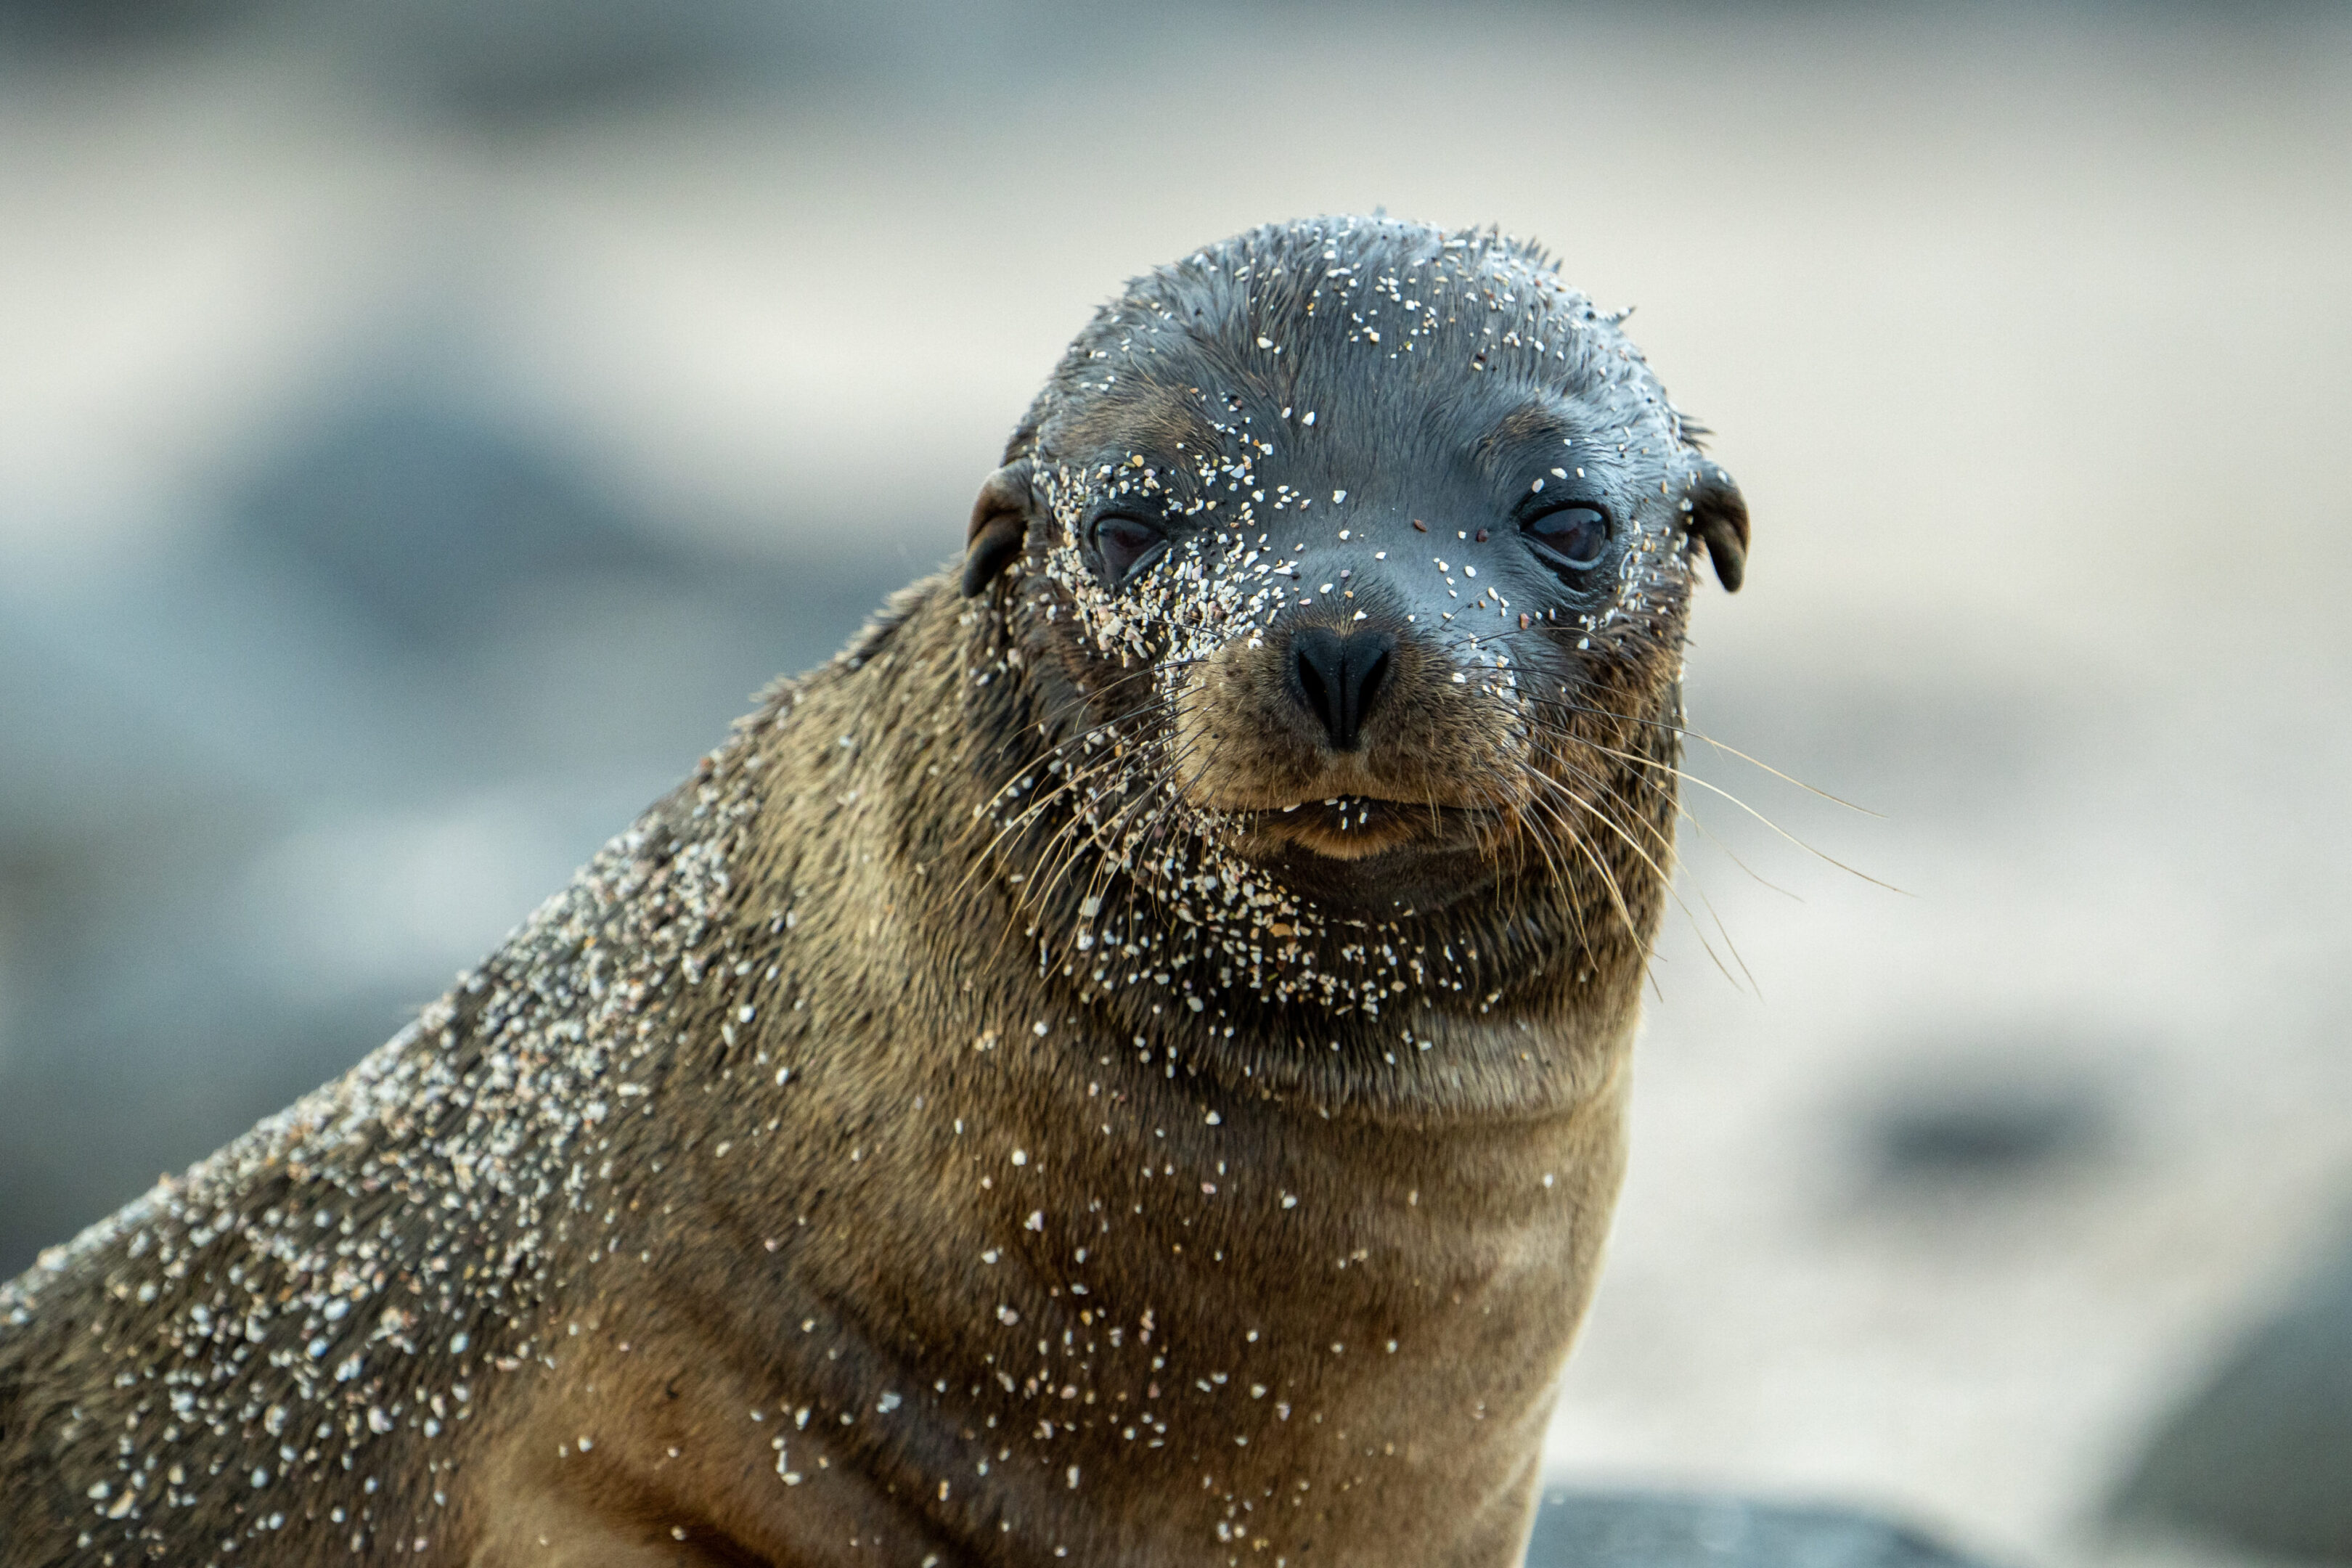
x: 1347, y: 562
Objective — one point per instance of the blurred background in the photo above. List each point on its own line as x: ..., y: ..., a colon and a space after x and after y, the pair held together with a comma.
x: 423, y: 424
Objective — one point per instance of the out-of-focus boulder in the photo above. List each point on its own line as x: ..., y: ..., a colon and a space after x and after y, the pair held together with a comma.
x: 2261, y: 1458
x: 1659, y: 1530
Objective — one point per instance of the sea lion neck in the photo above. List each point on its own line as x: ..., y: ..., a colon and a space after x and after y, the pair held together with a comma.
x: 1139, y: 1251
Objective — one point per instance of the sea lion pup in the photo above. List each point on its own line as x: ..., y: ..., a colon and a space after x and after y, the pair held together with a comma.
x: 1126, y: 1065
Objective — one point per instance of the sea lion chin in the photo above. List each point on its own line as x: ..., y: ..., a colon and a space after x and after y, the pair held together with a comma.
x: 1127, y: 1064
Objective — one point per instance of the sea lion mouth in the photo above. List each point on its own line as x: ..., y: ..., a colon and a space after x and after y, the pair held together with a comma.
x: 1356, y: 827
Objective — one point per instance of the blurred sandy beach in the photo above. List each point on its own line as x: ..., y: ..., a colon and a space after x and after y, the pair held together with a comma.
x: 2028, y: 333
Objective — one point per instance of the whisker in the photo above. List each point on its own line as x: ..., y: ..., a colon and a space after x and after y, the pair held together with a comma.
x: 1665, y: 881
x: 1028, y: 815
x: 1079, y: 834
x: 1053, y: 752
x: 1821, y: 853
x: 1609, y: 880
x: 1686, y: 813
x: 1704, y: 738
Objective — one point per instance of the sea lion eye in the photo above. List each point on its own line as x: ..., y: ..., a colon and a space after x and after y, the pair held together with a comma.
x: 1573, y: 536
x: 1125, y: 543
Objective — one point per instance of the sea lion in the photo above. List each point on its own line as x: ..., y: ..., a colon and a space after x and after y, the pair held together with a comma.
x: 1127, y: 1064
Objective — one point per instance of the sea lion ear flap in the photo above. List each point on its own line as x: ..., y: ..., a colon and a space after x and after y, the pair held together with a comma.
x: 1716, y: 515
x: 1000, y: 524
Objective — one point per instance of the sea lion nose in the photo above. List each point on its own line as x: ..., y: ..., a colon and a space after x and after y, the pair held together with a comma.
x: 1337, y: 677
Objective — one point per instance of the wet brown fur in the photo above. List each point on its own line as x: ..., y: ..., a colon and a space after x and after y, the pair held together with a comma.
x: 1341, y: 1287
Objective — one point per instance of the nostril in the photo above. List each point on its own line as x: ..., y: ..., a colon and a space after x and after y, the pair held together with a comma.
x: 1319, y: 660
x: 1370, y: 660
x: 1318, y: 694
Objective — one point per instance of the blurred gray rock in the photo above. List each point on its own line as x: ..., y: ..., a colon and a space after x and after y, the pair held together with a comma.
x: 467, y: 571
x: 264, y: 791
x: 2260, y: 1457
x: 525, y: 62
x: 1657, y: 1530
x: 80, y: 27
x: 1995, y: 1129
x: 425, y: 519
x: 522, y: 64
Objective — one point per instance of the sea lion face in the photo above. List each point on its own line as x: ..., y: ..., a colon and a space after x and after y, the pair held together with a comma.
x: 1368, y: 547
